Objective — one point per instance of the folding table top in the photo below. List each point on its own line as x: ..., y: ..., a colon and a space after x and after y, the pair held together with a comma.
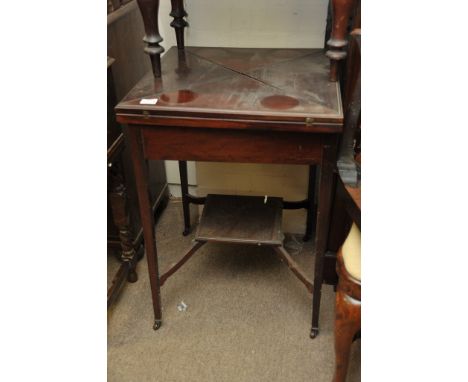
x: 290, y: 85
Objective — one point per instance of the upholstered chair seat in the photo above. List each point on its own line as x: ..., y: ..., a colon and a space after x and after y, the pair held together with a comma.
x: 351, y: 251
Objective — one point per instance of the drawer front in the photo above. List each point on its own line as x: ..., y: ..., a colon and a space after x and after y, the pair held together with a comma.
x: 241, y: 146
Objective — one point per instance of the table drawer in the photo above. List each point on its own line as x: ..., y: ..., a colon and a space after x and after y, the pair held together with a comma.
x: 232, y: 145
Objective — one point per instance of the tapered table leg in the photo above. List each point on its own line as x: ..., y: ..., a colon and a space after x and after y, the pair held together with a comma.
x: 147, y: 219
x: 323, y: 221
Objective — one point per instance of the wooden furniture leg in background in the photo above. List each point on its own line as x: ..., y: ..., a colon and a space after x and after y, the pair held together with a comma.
x: 179, y: 23
x: 121, y: 217
x: 311, y: 209
x: 347, y: 324
x: 185, y: 195
x: 341, y: 11
x: 323, y: 218
x: 149, y: 11
x: 147, y: 219
x: 347, y: 317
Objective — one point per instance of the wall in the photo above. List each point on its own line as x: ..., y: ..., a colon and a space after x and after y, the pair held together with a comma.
x: 250, y: 23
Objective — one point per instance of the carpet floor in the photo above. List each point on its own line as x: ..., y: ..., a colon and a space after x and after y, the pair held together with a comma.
x: 247, y: 318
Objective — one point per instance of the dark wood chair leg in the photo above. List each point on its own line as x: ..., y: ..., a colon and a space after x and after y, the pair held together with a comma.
x: 323, y: 218
x: 185, y: 193
x: 347, y: 325
x: 179, y: 23
x: 311, y: 210
x: 149, y: 11
x: 147, y: 219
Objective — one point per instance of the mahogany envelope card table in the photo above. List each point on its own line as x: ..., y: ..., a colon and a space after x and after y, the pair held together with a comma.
x: 244, y: 105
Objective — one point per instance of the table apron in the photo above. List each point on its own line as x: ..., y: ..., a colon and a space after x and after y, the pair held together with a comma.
x: 179, y: 143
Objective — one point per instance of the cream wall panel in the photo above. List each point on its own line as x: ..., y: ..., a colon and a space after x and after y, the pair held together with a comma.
x: 172, y: 172
x: 259, y: 23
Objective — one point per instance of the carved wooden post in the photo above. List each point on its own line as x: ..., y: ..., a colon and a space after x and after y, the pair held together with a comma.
x: 341, y: 10
x: 121, y: 217
x: 149, y: 11
x: 179, y: 23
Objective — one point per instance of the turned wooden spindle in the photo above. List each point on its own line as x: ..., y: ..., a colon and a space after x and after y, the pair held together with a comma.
x: 179, y: 23
x: 121, y: 216
x: 149, y: 11
x: 341, y: 10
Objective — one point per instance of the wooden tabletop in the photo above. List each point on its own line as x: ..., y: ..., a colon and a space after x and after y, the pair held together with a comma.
x: 287, y: 85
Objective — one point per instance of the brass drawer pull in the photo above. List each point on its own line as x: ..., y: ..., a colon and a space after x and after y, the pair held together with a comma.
x: 309, y: 121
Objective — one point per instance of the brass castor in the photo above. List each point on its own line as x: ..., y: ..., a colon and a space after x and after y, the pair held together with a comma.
x: 157, y: 324
x: 314, y: 333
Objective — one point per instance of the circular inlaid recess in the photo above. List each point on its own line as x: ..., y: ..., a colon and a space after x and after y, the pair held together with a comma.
x: 279, y: 102
x: 180, y: 96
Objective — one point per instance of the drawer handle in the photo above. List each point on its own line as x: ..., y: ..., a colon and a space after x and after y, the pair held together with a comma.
x: 309, y: 121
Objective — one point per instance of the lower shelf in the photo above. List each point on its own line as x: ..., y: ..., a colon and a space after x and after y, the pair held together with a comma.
x: 238, y: 219
x: 241, y: 219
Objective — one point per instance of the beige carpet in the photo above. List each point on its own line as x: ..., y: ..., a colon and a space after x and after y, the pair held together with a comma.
x: 248, y: 318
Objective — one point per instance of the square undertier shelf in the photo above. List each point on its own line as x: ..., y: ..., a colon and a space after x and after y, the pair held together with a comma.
x: 242, y: 220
